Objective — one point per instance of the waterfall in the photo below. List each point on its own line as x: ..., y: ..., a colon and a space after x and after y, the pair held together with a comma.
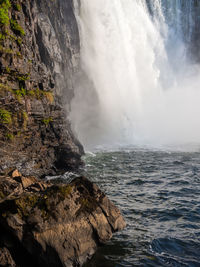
x: 138, y: 83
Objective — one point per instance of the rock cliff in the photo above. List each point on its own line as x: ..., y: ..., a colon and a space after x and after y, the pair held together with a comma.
x: 43, y: 224
x: 39, y: 53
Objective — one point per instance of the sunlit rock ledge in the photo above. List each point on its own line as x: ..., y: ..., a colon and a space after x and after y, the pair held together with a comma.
x: 45, y: 224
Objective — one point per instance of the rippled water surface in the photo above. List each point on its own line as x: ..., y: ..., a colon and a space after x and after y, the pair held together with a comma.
x: 159, y: 196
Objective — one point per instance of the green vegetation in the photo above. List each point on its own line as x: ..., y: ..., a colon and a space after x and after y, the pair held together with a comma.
x: 47, y: 121
x: 2, y: 36
x: 7, y: 69
x: 31, y: 93
x: 19, y: 41
x: 25, y: 204
x: 17, y: 7
x: 18, y: 54
x: 25, y: 119
x: 5, y: 20
x: 38, y: 93
x: 28, y: 203
x: 49, y: 95
x: 23, y: 77
x: 4, y: 12
x: 12, y: 37
x: 65, y: 191
x: 20, y: 92
x: 2, y: 195
x: 10, y: 136
x: 16, y: 28
x: 6, y: 35
x: 87, y: 204
x: 4, y: 87
x: 6, y: 50
x: 5, y: 116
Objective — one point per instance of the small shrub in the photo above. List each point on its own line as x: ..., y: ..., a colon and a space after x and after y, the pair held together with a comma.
x: 25, y: 204
x: 4, y: 15
x: 31, y: 93
x: 25, y: 119
x: 25, y: 115
x: 18, y: 54
x: 12, y: 37
x: 17, y: 7
x: 4, y: 18
x: 7, y: 70
x: 38, y: 93
x: 6, y: 50
x: 10, y: 136
x: 20, y: 92
x: 5, y: 116
x: 2, y: 36
x: 19, y: 41
x: 47, y: 121
x: 23, y: 77
x: 4, y: 87
x: 16, y: 28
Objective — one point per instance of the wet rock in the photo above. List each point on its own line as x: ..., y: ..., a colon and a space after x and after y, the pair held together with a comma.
x: 58, y: 224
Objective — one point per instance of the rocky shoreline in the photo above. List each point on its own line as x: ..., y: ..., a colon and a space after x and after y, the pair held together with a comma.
x: 46, y: 224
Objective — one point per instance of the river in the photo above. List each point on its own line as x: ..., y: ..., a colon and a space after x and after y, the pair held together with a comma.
x: 158, y: 194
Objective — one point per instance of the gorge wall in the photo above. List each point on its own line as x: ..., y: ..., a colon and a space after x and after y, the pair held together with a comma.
x: 39, y: 52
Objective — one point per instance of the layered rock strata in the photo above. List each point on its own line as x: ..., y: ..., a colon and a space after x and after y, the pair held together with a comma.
x: 39, y: 53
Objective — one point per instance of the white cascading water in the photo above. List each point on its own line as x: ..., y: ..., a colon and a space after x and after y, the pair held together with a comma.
x: 137, y: 85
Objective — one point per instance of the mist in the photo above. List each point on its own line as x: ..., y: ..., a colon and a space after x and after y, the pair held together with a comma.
x: 139, y: 83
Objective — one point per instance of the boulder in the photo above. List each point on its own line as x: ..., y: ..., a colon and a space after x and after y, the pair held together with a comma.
x: 57, y: 224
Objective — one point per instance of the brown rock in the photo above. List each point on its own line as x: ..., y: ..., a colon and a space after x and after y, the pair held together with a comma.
x: 6, y: 258
x: 61, y: 225
x: 28, y: 181
x: 16, y: 173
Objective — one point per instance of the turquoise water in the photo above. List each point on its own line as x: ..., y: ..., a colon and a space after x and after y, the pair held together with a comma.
x: 159, y: 195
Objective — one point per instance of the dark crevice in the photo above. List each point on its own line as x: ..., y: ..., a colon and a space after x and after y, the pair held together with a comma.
x: 19, y: 254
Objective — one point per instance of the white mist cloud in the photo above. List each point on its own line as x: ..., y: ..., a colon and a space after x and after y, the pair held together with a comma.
x: 140, y: 87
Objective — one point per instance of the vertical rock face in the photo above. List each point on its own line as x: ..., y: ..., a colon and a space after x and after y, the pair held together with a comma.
x: 39, y: 53
x: 58, y: 41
